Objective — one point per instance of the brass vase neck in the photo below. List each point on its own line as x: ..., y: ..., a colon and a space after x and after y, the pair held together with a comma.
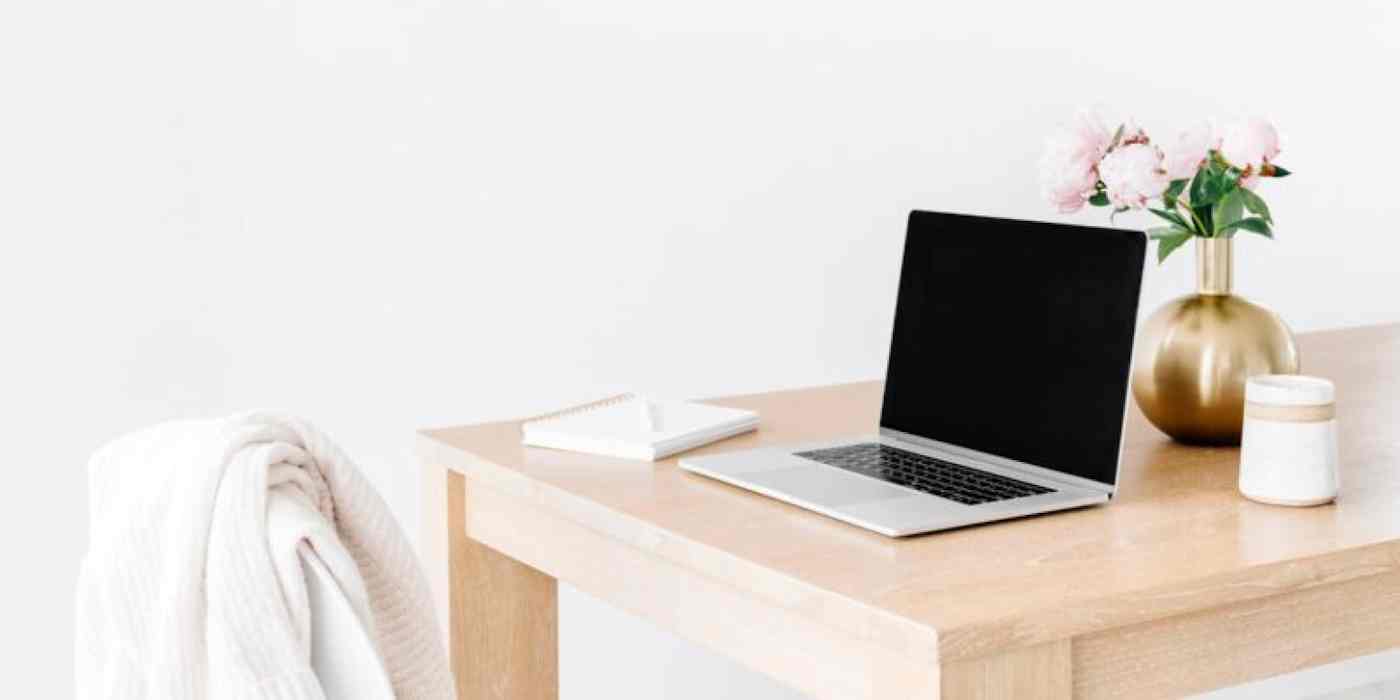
x: 1214, y: 266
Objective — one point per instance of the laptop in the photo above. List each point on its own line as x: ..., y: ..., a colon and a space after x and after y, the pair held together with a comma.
x: 1006, y: 391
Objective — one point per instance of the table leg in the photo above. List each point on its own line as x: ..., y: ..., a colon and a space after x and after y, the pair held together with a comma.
x: 502, y: 616
x: 1040, y: 672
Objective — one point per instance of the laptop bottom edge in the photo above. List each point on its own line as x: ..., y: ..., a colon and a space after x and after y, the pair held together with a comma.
x: 867, y: 502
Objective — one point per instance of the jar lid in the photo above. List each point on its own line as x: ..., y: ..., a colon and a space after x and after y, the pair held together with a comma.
x: 1289, y: 390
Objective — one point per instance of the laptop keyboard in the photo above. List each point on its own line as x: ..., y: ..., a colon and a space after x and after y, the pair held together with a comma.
x: 923, y: 473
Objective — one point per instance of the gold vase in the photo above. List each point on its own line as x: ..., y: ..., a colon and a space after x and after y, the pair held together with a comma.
x: 1194, y: 354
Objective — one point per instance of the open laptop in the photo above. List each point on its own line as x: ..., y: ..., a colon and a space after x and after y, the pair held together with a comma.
x: 1006, y: 390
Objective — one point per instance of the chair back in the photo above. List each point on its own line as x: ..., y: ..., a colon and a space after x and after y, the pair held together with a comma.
x: 342, y: 653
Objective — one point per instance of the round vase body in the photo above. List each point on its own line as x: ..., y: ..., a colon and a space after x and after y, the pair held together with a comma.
x: 1192, y: 359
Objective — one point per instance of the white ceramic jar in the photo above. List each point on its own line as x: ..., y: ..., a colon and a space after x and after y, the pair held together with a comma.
x: 1288, y: 453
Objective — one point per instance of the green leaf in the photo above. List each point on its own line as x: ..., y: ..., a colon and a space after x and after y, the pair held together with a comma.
x: 1255, y: 204
x: 1174, y: 191
x: 1167, y: 244
x: 1203, y: 193
x: 1228, y: 210
x: 1220, y: 184
x: 1280, y: 172
x: 1100, y: 199
x: 1210, y: 184
x: 1161, y: 232
x: 1252, y: 224
x: 1170, y: 216
x: 1117, y: 137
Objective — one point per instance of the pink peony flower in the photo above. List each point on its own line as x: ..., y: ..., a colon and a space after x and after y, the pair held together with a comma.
x: 1185, y: 155
x: 1133, y: 174
x: 1067, y: 184
x: 1068, y: 168
x: 1251, y: 141
x: 1132, y: 133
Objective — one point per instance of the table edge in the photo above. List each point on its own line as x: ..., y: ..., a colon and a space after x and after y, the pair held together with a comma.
x: 897, y: 633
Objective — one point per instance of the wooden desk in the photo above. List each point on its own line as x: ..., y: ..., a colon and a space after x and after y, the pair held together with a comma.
x: 1178, y: 586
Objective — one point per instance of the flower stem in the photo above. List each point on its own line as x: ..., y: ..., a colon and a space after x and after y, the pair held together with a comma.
x: 1200, y: 225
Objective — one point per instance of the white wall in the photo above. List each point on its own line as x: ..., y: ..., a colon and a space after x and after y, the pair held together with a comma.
x: 388, y: 215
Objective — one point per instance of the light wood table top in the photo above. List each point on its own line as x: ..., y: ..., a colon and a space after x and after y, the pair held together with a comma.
x: 1177, y: 539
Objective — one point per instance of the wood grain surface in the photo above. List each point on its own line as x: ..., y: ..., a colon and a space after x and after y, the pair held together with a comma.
x: 1177, y: 541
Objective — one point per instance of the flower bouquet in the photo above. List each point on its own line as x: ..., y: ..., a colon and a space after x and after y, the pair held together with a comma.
x: 1202, y: 183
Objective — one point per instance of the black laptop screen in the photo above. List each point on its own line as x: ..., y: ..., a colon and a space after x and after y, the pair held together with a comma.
x: 1014, y: 339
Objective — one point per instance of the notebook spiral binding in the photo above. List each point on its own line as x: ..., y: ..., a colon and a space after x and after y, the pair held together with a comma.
x: 581, y: 408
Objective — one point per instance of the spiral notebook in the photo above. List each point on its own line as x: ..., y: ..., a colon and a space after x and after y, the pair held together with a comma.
x: 631, y: 427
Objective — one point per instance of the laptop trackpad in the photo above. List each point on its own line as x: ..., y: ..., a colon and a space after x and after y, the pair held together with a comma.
x: 820, y: 486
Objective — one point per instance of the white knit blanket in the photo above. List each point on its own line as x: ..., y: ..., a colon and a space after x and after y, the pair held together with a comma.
x: 192, y: 587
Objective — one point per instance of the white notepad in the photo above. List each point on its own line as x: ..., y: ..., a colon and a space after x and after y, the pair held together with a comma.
x: 629, y: 427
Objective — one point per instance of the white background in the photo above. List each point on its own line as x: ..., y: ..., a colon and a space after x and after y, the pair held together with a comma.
x: 388, y: 215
